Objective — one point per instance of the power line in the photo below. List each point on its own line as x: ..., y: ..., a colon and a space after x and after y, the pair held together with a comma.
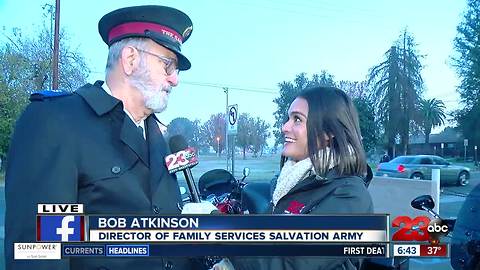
x: 230, y: 87
x: 262, y: 90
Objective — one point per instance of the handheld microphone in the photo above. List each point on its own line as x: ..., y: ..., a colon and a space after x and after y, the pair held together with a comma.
x: 182, y: 159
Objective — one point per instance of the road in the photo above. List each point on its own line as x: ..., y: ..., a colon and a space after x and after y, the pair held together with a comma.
x: 452, y: 197
x: 451, y: 200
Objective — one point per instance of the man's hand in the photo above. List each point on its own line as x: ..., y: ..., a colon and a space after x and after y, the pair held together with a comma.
x: 199, y: 208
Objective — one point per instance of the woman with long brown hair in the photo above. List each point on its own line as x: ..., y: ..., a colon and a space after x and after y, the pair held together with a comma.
x: 323, y: 172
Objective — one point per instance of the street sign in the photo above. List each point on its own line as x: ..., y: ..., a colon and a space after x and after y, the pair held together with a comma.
x: 232, y: 119
x: 465, y: 142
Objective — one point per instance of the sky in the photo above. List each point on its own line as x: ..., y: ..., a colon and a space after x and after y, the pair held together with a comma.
x: 251, y: 46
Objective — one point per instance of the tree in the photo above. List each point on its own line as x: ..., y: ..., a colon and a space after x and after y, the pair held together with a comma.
x: 383, y: 79
x: 360, y: 95
x: 32, y: 64
x: 288, y: 92
x: 198, y: 141
x: 25, y: 67
x: 11, y: 105
x: 468, y: 120
x: 259, y: 136
x: 189, y: 130
x: 182, y: 126
x: 358, y: 92
x: 355, y: 89
x: 245, y: 130
x: 368, y: 125
x: 212, y: 129
x: 467, y: 65
x: 397, y: 87
x: 432, y: 111
x: 252, y: 133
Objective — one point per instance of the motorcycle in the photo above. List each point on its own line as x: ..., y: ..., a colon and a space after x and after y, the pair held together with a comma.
x: 232, y: 196
x: 464, y: 231
x: 220, y: 188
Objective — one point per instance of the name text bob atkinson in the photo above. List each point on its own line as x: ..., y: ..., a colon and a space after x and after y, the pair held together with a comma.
x: 148, y: 223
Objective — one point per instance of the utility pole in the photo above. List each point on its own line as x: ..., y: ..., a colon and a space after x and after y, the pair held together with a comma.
x: 56, y: 44
x: 49, y: 12
x: 476, y: 160
x: 225, y: 89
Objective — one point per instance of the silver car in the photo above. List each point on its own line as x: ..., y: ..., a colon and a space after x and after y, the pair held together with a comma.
x: 420, y: 167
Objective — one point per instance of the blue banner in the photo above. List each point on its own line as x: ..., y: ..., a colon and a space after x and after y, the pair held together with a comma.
x: 127, y: 250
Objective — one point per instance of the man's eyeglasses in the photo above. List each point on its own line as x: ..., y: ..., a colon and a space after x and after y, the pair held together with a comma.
x: 171, y: 65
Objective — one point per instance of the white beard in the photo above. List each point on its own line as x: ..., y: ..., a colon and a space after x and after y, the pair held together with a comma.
x: 155, y: 99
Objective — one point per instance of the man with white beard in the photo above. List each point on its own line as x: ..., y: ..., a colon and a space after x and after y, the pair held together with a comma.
x: 101, y: 145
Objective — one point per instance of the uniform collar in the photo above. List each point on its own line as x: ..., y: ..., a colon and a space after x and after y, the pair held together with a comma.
x: 99, y: 100
x: 102, y: 101
x: 139, y: 124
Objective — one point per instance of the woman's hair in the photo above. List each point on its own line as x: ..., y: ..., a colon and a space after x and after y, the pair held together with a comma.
x: 333, y: 122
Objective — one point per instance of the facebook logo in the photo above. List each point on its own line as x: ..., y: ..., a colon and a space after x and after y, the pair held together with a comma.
x: 60, y: 228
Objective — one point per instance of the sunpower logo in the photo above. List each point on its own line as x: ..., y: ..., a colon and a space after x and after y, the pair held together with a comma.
x: 420, y: 228
x: 66, y: 228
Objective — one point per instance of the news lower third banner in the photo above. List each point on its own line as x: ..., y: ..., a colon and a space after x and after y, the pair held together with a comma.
x: 208, y: 235
x: 235, y: 229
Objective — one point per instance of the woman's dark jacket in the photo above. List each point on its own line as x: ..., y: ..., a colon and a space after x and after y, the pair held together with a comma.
x: 333, y: 195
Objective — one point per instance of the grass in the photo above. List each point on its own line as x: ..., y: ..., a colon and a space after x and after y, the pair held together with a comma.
x: 261, y: 168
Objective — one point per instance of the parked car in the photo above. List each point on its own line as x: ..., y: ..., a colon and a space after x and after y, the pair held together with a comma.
x: 420, y: 167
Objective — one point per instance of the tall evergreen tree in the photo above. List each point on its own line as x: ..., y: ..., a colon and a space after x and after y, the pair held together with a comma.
x: 467, y: 64
x: 397, y: 87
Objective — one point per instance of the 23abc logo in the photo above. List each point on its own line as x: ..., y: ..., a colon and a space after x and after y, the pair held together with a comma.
x: 420, y: 229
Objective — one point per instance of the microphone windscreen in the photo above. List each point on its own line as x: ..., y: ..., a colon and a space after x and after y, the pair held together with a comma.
x: 177, y: 143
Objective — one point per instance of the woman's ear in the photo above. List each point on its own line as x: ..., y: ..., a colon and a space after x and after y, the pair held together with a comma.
x: 327, y: 139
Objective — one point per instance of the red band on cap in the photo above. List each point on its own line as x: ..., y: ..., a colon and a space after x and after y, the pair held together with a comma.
x: 140, y: 27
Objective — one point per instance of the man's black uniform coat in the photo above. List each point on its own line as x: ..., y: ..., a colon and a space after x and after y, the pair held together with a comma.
x: 83, y: 148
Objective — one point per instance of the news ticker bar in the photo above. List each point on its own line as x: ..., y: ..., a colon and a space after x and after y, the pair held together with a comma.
x: 420, y: 250
x: 58, y: 250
